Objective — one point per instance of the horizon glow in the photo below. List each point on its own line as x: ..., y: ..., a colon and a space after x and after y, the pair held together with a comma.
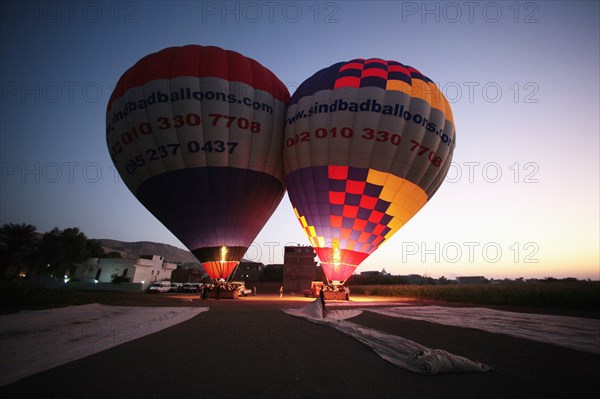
x: 520, y: 200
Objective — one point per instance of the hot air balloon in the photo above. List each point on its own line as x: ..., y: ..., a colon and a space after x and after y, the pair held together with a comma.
x: 367, y: 143
x: 196, y: 133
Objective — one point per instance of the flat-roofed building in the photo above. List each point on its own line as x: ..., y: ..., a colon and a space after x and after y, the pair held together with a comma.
x: 248, y: 271
x: 299, y: 268
x: 145, y: 269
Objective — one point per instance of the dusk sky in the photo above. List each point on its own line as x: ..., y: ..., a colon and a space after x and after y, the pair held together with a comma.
x: 521, y: 198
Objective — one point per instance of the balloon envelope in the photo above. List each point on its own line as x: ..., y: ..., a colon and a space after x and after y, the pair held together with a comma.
x: 367, y: 143
x: 195, y: 133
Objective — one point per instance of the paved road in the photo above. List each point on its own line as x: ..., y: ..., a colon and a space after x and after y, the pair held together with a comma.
x: 250, y: 349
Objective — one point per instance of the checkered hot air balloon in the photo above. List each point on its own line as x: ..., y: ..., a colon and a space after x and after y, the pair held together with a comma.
x: 367, y: 143
x: 196, y: 134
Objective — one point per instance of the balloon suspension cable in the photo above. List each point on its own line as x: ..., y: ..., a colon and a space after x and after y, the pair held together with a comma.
x: 230, y: 277
x: 326, y: 279
x: 337, y: 283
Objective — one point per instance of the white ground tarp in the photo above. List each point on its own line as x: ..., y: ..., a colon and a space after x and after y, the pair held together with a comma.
x: 396, y: 350
x: 569, y: 332
x: 34, y: 341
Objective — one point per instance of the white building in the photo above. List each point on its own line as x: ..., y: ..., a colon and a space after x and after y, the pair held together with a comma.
x: 146, y: 269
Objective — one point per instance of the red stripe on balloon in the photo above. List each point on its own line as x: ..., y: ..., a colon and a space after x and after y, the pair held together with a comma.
x: 200, y: 62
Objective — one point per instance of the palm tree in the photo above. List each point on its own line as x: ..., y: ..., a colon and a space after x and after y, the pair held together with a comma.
x: 17, y: 244
x: 60, y: 249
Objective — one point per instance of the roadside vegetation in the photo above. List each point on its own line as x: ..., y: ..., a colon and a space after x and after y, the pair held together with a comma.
x: 24, y: 294
x: 555, y: 294
x: 25, y: 253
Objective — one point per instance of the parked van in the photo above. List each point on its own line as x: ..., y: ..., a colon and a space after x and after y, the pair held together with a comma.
x: 160, y: 286
x: 241, y: 288
x: 191, y: 287
x: 176, y: 287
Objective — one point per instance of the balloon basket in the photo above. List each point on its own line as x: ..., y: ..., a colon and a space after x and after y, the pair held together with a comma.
x: 225, y: 294
x: 336, y: 296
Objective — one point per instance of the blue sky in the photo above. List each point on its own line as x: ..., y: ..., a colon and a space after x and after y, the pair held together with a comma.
x: 522, y: 197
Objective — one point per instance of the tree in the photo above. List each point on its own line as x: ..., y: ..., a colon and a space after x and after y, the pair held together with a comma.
x: 271, y: 273
x: 18, y: 243
x: 95, y: 250
x: 55, y: 253
x: 112, y: 254
x: 60, y: 250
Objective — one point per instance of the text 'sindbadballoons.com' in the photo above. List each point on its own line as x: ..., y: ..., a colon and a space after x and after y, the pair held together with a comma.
x: 367, y: 143
x: 196, y: 134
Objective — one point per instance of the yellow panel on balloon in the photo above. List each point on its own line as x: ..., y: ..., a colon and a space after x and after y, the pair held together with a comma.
x: 437, y: 98
x: 388, y: 194
x: 407, y: 201
x: 376, y: 177
x: 398, y: 85
x: 394, y: 225
x: 421, y: 90
x: 448, y: 111
x: 393, y: 209
x: 302, y: 220
x: 394, y: 181
x: 320, y: 241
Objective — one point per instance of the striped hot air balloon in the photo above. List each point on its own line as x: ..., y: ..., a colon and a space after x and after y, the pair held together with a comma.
x: 367, y: 143
x: 196, y: 134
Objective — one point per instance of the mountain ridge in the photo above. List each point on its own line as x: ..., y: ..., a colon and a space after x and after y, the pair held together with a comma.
x: 134, y: 249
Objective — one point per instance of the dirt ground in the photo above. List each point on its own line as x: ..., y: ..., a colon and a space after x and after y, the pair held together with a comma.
x: 249, y: 348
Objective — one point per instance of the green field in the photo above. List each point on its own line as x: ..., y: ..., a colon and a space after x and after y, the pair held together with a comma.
x: 571, y: 295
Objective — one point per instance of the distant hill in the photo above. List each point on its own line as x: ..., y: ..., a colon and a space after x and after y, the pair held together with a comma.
x: 135, y: 249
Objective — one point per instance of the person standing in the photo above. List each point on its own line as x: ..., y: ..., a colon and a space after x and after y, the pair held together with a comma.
x: 281, y: 291
x: 322, y: 300
x: 205, y: 291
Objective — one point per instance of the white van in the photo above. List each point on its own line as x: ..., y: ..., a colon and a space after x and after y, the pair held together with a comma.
x: 241, y: 287
x: 176, y: 287
x: 160, y: 286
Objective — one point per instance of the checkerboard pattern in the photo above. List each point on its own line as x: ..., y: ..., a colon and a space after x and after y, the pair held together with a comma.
x: 375, y: 72
x: 347, y: 212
